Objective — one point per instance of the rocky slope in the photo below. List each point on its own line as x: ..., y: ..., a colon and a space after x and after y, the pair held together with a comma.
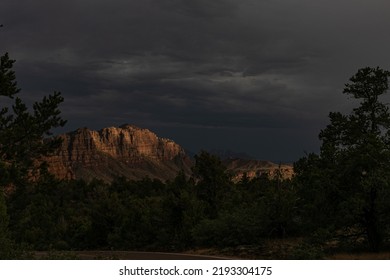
x: 117, y: 151
x: 255, y: 168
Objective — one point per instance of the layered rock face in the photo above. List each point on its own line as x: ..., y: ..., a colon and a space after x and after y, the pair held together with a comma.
x: 256, y: 168
x: 117, y: 151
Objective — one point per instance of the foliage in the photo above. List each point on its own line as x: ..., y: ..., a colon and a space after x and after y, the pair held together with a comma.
x: 346, y: 187
x: 5, y: 242
x: 149, y: 214
x: 212, y: 181
x: 21, y: 131
x: 22, y: 142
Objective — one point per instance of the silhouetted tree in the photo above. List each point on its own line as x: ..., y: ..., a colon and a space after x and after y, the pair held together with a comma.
x: 22, y: 133
x: 351, y: 176
x: 213, y: 180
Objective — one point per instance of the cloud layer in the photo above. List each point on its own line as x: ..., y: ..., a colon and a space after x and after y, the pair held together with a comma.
x: 255, y: 76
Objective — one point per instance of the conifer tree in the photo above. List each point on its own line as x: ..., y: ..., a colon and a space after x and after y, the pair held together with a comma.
x: 349, y: 181
x: 22, y: 131
x: 22, y: 135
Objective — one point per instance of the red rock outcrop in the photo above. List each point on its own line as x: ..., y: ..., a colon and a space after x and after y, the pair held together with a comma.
x: 256, y: 168
x: 117, y: 151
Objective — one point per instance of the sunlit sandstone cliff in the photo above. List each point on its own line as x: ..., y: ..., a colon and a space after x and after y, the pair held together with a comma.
x: 117, y: 151
x: 256, y: 168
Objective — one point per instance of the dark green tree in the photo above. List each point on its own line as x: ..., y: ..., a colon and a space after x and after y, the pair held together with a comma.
x: 5, y: 242
x: 351, y: 177
x: 213, y: 181
x: 22, y: 133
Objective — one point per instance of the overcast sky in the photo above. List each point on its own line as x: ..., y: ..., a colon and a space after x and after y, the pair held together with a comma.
x: 254, y: 76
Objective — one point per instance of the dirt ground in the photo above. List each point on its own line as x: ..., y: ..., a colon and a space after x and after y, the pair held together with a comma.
x: 121, y: 255
x: 361, y: 256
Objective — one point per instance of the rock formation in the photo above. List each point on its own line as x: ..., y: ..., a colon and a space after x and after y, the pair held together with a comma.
x: 256, y: 168
x: 117, y: 151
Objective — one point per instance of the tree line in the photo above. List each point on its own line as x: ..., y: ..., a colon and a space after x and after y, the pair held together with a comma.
x: 149, y: 214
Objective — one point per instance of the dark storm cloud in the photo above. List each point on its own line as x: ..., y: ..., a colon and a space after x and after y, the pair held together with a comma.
x: 222, y: 67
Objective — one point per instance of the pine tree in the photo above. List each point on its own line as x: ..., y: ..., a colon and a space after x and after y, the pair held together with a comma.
x: 22, y: 135
x: 349, y: 182
x: 22, y: 131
